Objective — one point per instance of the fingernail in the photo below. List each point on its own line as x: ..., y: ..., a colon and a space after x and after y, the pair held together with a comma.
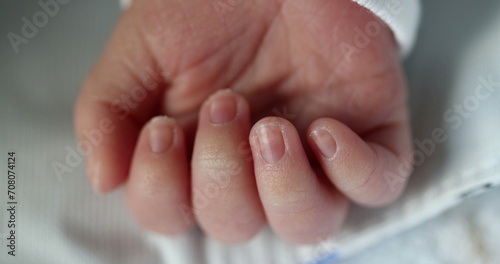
x: 161, y: 134
x: 222, y: 109
x: 325, y: 142
x: 272, y: 145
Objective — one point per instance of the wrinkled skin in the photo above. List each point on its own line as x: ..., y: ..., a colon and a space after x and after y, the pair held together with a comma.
x: 283, y: 58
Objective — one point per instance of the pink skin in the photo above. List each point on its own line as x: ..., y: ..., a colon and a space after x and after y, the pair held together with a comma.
x: 220, y: 160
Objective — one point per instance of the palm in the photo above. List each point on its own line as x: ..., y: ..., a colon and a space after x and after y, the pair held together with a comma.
x: 284, y: 57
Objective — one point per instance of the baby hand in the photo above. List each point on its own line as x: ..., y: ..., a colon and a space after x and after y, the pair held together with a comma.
x: 220, y: 157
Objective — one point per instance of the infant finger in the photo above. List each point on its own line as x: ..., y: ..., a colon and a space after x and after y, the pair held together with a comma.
x: 158, y: 190
x: 115, y: 103
x: 225, y: 197
x: 369, y: 172
x: 298, y: 204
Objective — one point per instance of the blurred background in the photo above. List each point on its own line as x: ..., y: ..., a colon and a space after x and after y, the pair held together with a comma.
x: 62, y: 221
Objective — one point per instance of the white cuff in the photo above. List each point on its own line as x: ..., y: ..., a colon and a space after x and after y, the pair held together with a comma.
x: 402, y: 16
x: 125, y: 3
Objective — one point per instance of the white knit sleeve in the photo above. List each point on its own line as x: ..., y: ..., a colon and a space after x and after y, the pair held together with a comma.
x: 402, y: 16
x: 125, y: 3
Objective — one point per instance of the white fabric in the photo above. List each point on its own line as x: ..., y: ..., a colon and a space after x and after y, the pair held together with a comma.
x: 125, y: 3
x: 60, y: 220
x: 402, y: 16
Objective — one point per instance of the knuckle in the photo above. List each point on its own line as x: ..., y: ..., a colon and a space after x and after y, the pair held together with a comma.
x: 214, y: 162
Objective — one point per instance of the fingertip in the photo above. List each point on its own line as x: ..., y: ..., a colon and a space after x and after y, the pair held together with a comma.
x: 259, y: 128
x: 224, y: 106
x: 358, y: 168
x: 157, y: 192
x: 106, y: 143
x: 161, y: 134
x: 225, y: 198
x: 299, y: 206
